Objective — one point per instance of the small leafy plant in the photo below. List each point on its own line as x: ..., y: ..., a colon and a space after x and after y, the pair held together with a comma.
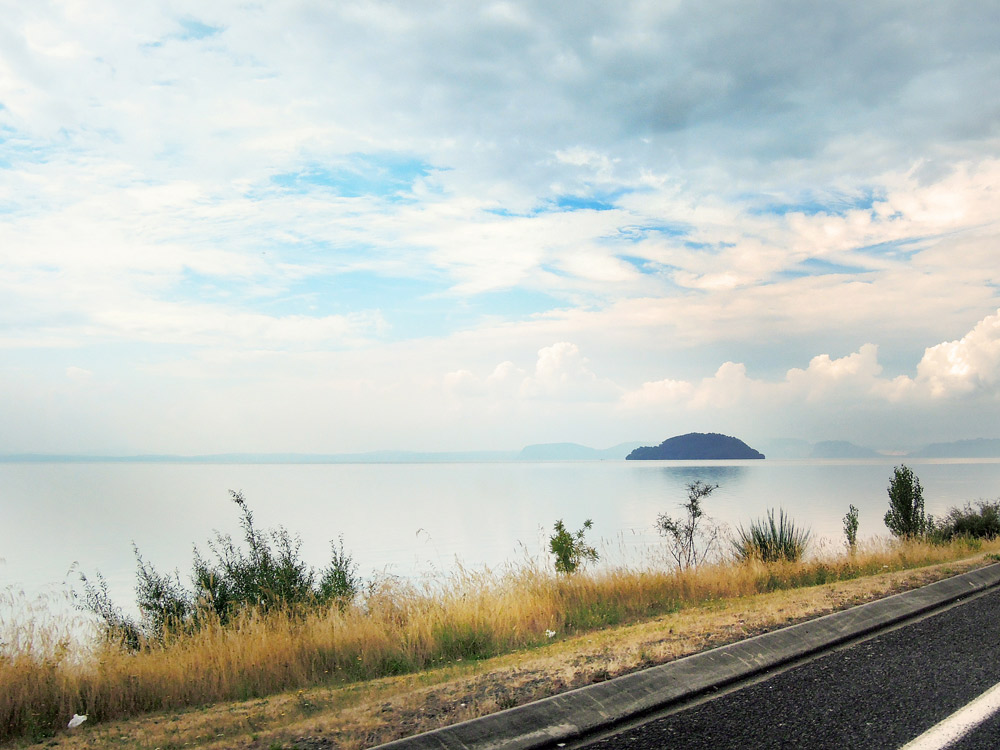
x: 692, y: 538
x: 571, y: 550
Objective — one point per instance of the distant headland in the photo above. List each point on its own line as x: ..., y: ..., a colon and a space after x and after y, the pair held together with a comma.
x: 696, y: 446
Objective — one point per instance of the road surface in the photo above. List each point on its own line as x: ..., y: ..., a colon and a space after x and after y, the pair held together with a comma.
x: 880, y: 693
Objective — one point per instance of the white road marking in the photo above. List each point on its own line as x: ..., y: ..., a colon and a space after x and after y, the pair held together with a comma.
x: 959, y: 724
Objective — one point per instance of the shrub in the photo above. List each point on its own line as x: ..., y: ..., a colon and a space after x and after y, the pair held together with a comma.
x: 268, y: 573
x: 571, y: 550
x: 690, y: 540
x: 161, y: 599
x: 851, y: 528
x: 905, y: 517
x: 770, y: 541
x: 980, y: 523
x: 340, y: 582
x: 117, y: 627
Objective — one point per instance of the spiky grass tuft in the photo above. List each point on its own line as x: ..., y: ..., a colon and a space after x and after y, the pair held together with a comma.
x: 771, y: 541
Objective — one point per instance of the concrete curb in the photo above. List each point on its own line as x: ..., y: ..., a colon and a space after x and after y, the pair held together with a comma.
x: 587, y: 709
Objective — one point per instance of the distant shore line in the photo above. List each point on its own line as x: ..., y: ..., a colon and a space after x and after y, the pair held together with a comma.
x: 376, y: 459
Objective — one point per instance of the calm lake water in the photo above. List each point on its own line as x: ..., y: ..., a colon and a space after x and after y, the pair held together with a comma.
x: 419, y: 519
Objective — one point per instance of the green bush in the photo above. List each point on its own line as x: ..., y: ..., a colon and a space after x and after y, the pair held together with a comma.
x: 340, y: 581
x: 905, y: 517
x: 267, y: 573
x: 982, y: 522
x: 571, y: 550
x: 769, y: 541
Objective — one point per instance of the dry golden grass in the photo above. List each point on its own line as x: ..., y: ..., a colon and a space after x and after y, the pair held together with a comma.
x: 342, y: 662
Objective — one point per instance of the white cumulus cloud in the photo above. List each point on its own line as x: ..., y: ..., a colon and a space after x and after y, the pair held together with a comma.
x: 969, y: 365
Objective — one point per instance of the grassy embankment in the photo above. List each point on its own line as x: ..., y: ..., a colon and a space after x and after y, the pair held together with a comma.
x: 393, y: 629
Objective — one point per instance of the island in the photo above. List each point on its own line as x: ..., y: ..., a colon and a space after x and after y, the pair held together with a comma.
x: 696, y: 446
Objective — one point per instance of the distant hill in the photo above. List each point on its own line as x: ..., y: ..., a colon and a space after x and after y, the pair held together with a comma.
x: 787, y: 448
x: 978, y: 448
x: 696, y: 446
x: 573, y: 452
x: 841, y: 449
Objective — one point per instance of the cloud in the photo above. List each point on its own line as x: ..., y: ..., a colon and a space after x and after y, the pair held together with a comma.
x: 397, y: 190
x: 561, y: 373
x: 825, y: 378
x: 954, y: 370
x: 969, y: 365
x: 659, y: 393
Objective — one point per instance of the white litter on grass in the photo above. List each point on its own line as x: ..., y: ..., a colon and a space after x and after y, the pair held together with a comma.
x: 550, y: 634
x: 77, y: 720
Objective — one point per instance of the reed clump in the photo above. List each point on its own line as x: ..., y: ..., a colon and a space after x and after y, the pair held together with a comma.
x: 393, y: 626
x: 768, y: 540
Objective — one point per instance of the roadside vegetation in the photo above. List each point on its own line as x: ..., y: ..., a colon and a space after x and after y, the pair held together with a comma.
x: 256, y: 620
x: 767, y: 540
x: 571, y: 551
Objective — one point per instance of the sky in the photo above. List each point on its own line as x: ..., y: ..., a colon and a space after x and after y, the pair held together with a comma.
x: 304, y: 226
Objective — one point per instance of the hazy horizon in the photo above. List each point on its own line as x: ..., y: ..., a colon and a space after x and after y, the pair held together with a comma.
x: 779, y: 448
x: 381, y: 226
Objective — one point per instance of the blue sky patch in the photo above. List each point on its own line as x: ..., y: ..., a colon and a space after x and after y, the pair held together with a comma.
x: 832, y: 205
x: 643, y: 265
x: 707, y: 246
x: 895, y: 248
x: 15, y: 147
x: 192, y: 29
x: 381, y: 175
x: 597, y: 201
x: 639, y: 232
x: 583, y: 203
x: 554, y: 270
x: 820, y: 267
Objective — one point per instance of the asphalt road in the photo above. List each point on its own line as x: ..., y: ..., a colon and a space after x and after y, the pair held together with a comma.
x: 985, y: 736
x: 880, y: 693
